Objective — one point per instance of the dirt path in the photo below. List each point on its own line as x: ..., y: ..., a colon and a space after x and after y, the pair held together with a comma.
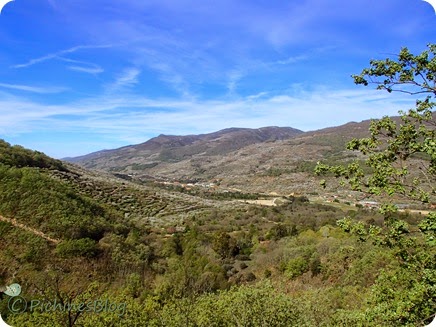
x: 34, y: 231
x: 269, y: 203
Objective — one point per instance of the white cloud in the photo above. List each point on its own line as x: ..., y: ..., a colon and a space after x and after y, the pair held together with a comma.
x: 234, y: 77
x: 58, y: 55
x: 89, y: 70
x: 113, y: 115
x: 291, y: 60
x: 128, y: 77
x: 34, y: 89
x: 256, y: 96
x: 83, y: 66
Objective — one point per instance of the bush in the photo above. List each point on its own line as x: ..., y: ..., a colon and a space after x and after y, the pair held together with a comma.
x: 83, y: 247
x: 296, y: 267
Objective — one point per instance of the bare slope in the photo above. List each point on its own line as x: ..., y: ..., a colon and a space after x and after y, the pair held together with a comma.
x: 269, y: 159
x: 172, y: 149
x: 265, y: 160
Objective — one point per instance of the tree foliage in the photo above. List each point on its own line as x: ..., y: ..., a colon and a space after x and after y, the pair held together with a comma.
x: 402, y: 155
x: 401, y: 152
x: 17, y: 156
x: 39, y: 201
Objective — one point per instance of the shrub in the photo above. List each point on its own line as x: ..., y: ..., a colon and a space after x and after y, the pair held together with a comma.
x: 83, y: 247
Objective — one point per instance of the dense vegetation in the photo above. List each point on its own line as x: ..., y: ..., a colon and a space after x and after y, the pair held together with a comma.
x: 75, y: 239
x: 402, y: 157
x: 163, y: 276
x: 18, y: 156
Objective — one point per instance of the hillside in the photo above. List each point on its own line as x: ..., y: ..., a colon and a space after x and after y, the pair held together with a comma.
x: 173, y: 149
x: 175, y: 256
x: 279, y: 164
x: 269, y: 159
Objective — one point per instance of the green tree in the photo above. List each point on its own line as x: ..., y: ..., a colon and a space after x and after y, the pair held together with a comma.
x: 401, y: 153
x: 224, y: 245
x: 82, y: 247
x: 402, y: 156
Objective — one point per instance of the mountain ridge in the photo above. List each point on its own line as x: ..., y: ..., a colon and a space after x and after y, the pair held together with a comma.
x: 226, y: 140
x: 270, y: 159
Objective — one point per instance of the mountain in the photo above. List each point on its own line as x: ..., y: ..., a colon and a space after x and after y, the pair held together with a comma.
x: 172, y: 149
x: 269, y: 159
x: 265, y: 160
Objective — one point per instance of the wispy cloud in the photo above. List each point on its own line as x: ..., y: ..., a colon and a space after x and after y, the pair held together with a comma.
x: 234, y: 77
x: 34, y: 89
x: 256, y: 96
x: 83, y: 66
x: 113, y: 115
x: 291, y: 60
x: 128, y: 77
x: 89, y: 70
x: 171, y: 76
x: 208, y: 65
x: 59, y: 54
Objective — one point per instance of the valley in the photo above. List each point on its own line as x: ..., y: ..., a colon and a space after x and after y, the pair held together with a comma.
x: 207, y: 225
x: 241, y: 163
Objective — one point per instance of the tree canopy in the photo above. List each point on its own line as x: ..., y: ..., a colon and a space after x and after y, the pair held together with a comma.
x: 17, y: 156
x: 400, y: 152
x: 402, y: 156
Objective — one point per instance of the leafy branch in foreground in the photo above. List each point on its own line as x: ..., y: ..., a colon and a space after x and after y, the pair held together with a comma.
x: 415, y: 74
x: 401, y: 154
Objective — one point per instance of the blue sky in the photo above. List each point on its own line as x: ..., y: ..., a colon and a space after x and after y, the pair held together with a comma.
x: 79, y: 76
